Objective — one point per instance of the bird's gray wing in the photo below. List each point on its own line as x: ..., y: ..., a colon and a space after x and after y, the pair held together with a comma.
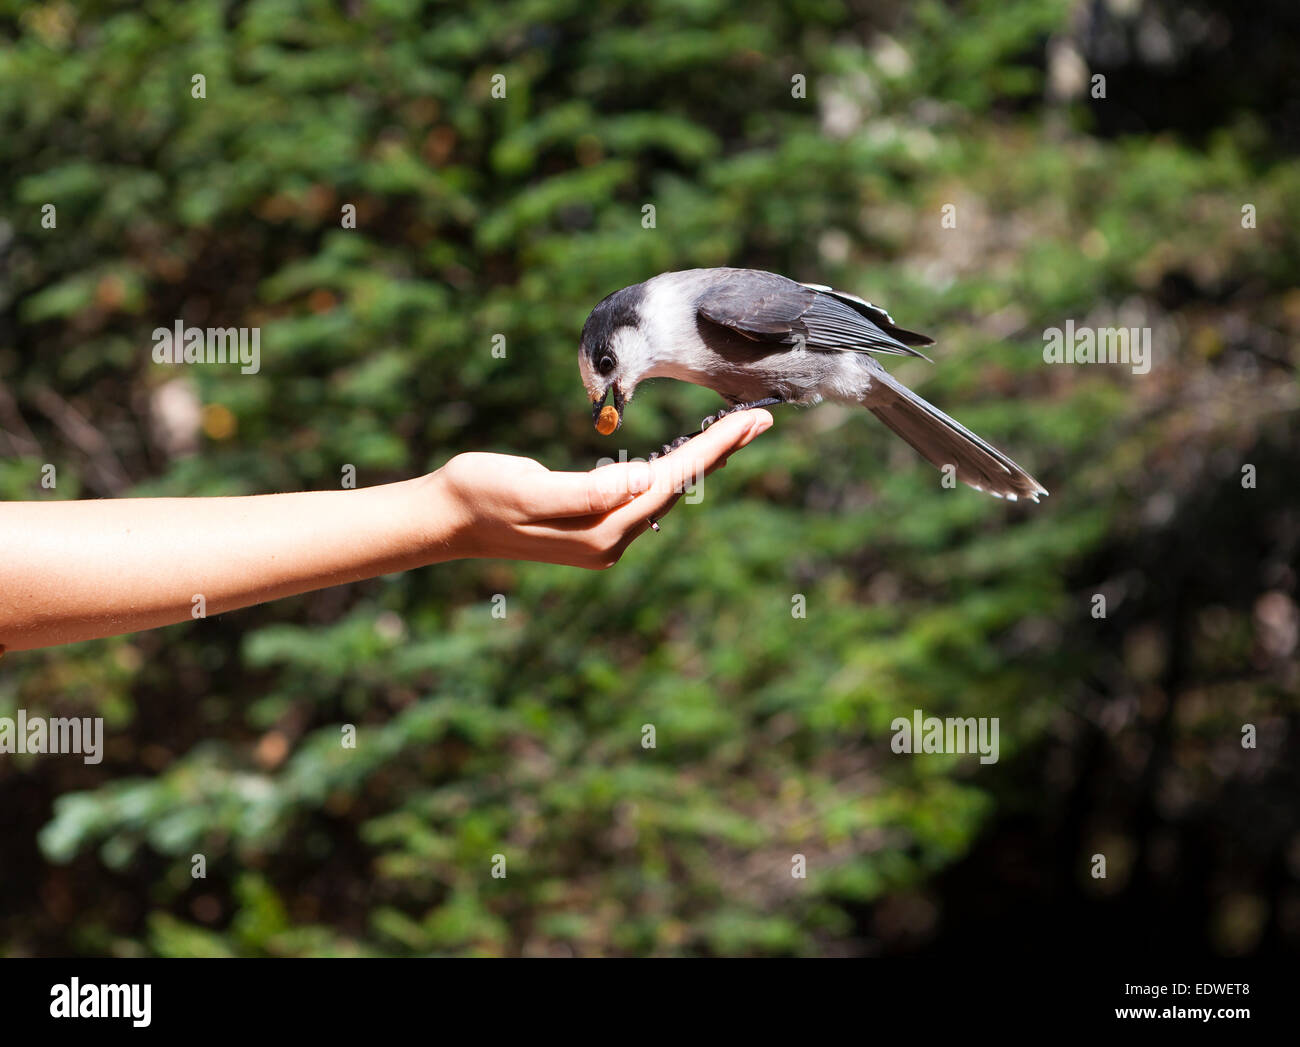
x: 764, y: 307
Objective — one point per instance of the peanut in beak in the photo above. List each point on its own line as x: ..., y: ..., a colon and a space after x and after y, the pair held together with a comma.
x: 607, y: 422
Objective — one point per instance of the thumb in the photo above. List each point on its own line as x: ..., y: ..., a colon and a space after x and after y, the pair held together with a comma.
x: 593, y: 493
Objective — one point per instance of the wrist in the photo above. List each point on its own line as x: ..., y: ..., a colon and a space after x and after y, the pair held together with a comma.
x: 444, y: 518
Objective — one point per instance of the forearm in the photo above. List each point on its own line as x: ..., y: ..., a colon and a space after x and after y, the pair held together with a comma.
x: 78, y: 570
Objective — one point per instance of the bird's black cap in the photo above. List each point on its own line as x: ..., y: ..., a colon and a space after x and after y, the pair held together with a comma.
x: 620, y: 309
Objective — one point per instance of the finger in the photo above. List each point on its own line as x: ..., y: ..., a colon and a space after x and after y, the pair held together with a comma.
x: 587, y: 494
x: 687, y: 465
x: 663, y: 510
x: 596, y: 492
x: 727, y: 434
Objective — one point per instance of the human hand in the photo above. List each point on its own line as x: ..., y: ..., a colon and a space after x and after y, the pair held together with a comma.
x: 515, y: 508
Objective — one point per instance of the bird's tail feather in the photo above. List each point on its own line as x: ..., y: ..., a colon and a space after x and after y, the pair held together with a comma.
x: 944, y: 441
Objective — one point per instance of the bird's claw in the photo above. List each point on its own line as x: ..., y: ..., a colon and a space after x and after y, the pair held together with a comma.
x: 705, y: 423
x: 670, y: 448
x: 767, y: 401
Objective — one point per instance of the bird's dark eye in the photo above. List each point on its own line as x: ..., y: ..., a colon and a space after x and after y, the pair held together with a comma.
x: 606, y: 365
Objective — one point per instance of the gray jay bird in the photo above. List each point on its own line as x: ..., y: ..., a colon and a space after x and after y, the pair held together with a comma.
x: 760, y: 339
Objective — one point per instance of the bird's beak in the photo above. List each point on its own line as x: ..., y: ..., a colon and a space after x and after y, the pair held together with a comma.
x: 599, y: 405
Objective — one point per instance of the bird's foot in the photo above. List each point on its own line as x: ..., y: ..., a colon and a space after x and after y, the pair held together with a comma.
x: 670, y: 447
x: 768, y: 401
x: 706, y: 422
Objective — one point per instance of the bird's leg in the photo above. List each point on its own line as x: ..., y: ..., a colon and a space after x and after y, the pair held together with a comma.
x: 768, y: 401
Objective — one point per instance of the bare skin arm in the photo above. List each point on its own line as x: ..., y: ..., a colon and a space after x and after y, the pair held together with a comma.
x: 78, y: 570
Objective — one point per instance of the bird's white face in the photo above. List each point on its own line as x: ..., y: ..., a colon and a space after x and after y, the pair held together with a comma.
x: 592, y: 380
x: 620, y: 362
x: 616, y: 366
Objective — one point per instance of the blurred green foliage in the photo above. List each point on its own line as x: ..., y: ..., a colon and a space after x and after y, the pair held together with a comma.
x: 479, y: 216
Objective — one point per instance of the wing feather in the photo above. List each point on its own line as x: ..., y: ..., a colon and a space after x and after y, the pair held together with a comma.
x: 764, y: 307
